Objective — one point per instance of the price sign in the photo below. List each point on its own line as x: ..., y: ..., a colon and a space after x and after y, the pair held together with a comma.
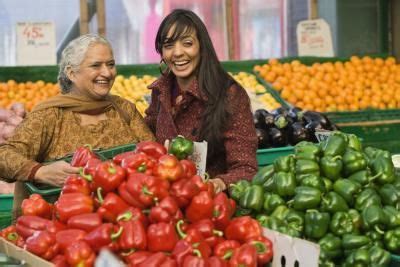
x: 322, y: 135
x: 36, y: 43
x: 314, y: 38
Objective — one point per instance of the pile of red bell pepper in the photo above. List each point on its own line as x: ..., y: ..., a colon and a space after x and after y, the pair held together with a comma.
x: 147, y: 207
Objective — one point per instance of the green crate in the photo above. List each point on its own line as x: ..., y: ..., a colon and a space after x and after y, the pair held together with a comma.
x: 111, y: 152
x: 48, y: 192
x: 5, y: 219
x: 6, y: 202
x: 268, y: 155
x: 394, y: 261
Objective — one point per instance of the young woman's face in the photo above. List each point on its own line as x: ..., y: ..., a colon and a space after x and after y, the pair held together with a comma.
x: 182, y: 56
x: 96, y: 73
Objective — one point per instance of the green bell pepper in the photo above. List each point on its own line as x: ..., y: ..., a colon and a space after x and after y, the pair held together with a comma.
x: 354, y: 241
x: 271, y: 202
x: 335, y: 145
x: 353, y: 161
x: 333, y: 202
x: 362, y: 177
x: 181, y: 147
x: 358, y: 258
x: 366, y: 198
x: 385, y: 168
x: 376, y: 238
x: 307, y: 156
x: 331, y: 167
x: 328, y: 184
x: 316, y: 224
x: 393, y: 216
x: 252, y: 198
x: 306, y: 198
x: 285, y: 184
x: 390, y: 195
x: 263, y: 175
x: 356, y: 219
x: 341, y: 223
x: 379, y: 257
x: 374, y: 218
x: 295, y: 220
x: 280, y: 212
x: 237, y: 189
x: 354, y: 142
x: 372, y: 153
x: 304, y: 166
x: 269, y: 185
x: 284, y: 163
x: 331, y: 246
x: 314, y: 181
x: 347, y: 189
x: 242, y: 211
x: 392, y: 240
x: 307, y: 147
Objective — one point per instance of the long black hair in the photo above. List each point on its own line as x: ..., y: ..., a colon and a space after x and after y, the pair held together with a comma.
x: 213, y: 79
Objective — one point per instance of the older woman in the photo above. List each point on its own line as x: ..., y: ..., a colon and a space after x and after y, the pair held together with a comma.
x: 85, y: 113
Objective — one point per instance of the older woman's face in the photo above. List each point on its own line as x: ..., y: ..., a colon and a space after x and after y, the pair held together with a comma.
x: 96, y: 73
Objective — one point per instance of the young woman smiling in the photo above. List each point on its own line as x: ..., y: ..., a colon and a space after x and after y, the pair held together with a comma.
x: 195, y: 97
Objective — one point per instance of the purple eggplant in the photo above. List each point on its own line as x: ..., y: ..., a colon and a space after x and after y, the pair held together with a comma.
x: 263, y: 138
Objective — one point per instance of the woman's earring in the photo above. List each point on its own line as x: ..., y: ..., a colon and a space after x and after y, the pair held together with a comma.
x: 164, y: 70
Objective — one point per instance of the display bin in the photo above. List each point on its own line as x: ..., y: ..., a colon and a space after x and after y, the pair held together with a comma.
x: 394, y: 261
x: 268, y: 155
x: 6, y: 204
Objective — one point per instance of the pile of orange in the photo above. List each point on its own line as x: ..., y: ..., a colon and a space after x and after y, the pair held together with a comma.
x: 357, y: 84
x: 29, y: 93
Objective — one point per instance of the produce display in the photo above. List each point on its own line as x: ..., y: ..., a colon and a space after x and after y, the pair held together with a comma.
x: 288, y: 126
x: 134, y: 89
x: 259, y: 96
x: 146, y: 206
x: 356, y: 84
x: 29, y: 93
x: 336, y: 194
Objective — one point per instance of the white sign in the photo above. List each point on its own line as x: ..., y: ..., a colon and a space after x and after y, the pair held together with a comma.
x: 314, y: 38
x: 292, y: 252
x: 322, y: 135
x: 36, y: 43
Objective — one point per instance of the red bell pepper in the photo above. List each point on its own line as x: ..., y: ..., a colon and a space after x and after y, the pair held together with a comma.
x: 90, y: 167
x: 77, y: 184
x: 106, y: 235
x: 59, y: 261
x: 154, y: 260
x: 55, y: 226
x: 243, y: 228
x: 108, y: 176
x: 225, y: 249
x: 169, y: 168
x: 138, y: 162
x: 264, y: 249
x: 42, y: 244
x: 166, y: 211
x: 223, y: 210
x: 201, y: 207
x: 245, y: 256
x: 72, y: 204
x: 192, y: 260
x: 66, y: 237
x: 126, y: 195
x: 151, y: 148
x: 82, y: 155
x: 10, y: 234
x: 215, y: 261
x: 111, y: 206
x: 137, y: 213
x: 134, y: 234
x: 203, y: 184
x: 161, y: 237
x: 86, y: 222
x: 27, y: 225
x: 189, y: 168
x: 136, y: 257
x: 35, y: 205
x: 117, y: 159
x: 80, y: 254
x: 169, y: 262
x: 183, y: 191
x: 206, y: 228
x: 147, y: 190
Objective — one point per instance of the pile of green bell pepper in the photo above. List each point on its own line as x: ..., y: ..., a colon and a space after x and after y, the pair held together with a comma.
x: 338, y: 194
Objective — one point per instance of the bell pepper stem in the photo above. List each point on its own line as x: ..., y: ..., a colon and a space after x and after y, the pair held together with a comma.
x: 142, y: 168
x: 260, y: 247
x: 117, y: 234
x: 179, y: 229
x: 197, y: 253
x: 228, y: 255
x: 112, y: 170
x: 12, y: 236
x: 146, y: 191
x: 218, y: 233
x: 379, y: 230
x: 99, y: 196
x: 127, y: 253
x: 88, y: 146
x: 87, y: 177
x: 125, y: 216
x: 206, y: 177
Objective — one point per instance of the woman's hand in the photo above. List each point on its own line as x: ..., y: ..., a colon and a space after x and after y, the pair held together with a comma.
x: 55, y: 173
x: 219, y: 184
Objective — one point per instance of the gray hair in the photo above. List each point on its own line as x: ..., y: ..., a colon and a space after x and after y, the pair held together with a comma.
x: 73, y: 55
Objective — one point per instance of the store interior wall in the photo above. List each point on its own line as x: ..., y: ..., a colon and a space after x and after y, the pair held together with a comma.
x: 395, y: 28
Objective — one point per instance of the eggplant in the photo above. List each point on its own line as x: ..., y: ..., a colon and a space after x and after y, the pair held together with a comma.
x: 277, y: 137
x: 280, y: 121
x: 259, y: 123
x: 311, y: 127
x: 263, y: 138
x: 279, y: 111
x: 295, y: 114
x: 310, y: 116
x: 269, y: 120
x: 297, y: 133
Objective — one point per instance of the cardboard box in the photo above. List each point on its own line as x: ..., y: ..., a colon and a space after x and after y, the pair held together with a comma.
x: 291, y: 252
x: 18, y: 253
